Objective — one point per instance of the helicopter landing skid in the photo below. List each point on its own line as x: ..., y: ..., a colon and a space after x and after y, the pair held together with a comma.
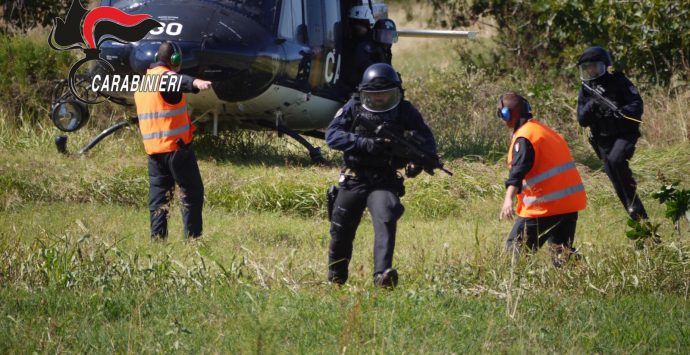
x: 314, y: 152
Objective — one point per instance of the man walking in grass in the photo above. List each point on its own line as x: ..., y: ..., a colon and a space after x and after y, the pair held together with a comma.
x: 370, y: 178
x: 543, y: 176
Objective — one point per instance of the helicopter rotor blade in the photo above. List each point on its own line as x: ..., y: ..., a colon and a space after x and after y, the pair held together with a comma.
x: 436, y: 33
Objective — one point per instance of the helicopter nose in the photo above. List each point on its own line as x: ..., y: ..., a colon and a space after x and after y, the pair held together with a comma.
x: 142, y: 55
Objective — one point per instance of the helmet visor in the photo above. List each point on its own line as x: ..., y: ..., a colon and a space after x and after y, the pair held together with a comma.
x: 385, y: 36
x: 592, y: 70
x: 380, y: 100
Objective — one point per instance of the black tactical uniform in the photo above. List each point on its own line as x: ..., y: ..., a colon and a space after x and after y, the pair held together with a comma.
x: 613, y: 138
x: 371, y: 48
x: 370, y: 178
x: 369, y: 52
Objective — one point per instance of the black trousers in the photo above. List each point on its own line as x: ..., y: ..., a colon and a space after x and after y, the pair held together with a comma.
x: 165, y: 170
x: 615, y: 154
x: 381, y: 198
x: 534, y: 232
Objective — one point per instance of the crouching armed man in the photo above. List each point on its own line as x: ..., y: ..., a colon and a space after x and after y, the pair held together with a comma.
x: 370, y: 178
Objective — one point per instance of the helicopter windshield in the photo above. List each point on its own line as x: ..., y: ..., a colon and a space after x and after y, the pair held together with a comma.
x: 263, y: 12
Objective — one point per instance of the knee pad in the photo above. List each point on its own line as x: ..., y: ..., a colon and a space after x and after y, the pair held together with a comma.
x: 343, y: 220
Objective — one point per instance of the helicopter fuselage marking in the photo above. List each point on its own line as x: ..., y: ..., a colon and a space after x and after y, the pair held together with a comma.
x: 332, y: 75
x: 171, y: 29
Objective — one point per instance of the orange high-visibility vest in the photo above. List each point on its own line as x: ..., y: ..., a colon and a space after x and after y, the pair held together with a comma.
x: 553, y: 186
x: 161, y: 123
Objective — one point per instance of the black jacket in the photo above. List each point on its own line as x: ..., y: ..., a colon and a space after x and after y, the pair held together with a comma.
x: 186, y: 86
x: 343, y: 134
x: 617, y: 88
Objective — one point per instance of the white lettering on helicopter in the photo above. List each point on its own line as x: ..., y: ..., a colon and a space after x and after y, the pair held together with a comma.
x: 171, y: 29
x: 132, y: 83
x: 332, y: 71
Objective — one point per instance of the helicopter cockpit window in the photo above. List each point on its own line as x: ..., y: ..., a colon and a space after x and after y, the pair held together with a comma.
x: 291, y: 19
x: 264, y: 12
x: 314, y: 11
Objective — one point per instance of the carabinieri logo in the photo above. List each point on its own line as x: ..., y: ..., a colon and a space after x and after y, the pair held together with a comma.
x: 87, y: 30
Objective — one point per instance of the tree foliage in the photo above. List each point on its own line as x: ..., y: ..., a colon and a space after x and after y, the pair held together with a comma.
x: 23, y: 15
x: 649, y: 38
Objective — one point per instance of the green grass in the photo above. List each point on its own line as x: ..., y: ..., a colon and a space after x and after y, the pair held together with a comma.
x: 79, y: 273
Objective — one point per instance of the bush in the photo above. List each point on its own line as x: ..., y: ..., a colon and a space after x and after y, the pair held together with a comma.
x: 26, y: 14
x: 28, y: 69
x: 648, y: 39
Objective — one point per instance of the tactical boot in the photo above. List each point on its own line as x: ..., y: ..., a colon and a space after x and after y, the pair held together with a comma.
x: 387, y: 279
x: 337, y: 278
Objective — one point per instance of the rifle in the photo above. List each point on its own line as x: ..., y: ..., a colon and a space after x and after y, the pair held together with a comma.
x: 606, y: 102
x: 407, y: 147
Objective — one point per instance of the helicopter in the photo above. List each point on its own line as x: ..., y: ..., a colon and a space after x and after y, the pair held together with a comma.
x: 274, y: 64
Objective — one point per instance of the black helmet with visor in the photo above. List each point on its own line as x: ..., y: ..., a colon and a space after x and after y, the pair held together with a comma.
x: 593, y: 63
x: 385, y: 31
x: 381, y: 88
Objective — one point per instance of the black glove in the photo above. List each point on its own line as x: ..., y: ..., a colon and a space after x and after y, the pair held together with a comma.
x: 370, y: 145
x: 605, y: 111
x: 412, y: 170
x: 589, y: 107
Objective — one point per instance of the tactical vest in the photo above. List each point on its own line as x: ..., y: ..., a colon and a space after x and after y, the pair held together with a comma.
x: 391, y: 119
x: 553, y: 186
x: 161, y: 123
x: 611, y: 87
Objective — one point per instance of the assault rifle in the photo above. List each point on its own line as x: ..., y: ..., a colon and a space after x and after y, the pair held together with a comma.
x: 406, y: 146
x: 606, y: 102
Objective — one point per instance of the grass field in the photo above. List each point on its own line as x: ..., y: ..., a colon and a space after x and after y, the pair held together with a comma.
x: 78, y: 272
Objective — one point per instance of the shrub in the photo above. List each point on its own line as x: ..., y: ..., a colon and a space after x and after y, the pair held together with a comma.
x: 648, y: 39
x: 28, y: 69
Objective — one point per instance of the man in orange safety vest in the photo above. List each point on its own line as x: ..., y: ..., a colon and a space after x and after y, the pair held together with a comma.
x: 544, y: 177
x: 166, y: 130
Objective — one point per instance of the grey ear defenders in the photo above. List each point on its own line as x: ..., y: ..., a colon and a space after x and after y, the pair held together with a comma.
x: 504, y: 112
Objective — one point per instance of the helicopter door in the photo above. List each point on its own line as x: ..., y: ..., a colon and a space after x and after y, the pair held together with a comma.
x: 323, y: 30
x: 333, y: 34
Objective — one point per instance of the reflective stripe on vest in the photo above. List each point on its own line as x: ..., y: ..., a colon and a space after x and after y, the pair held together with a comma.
x: 553, y: 185
x: 164, y: 134
x: 161, y: 123
x: 547, y: 174
x: 169, y: 113
x: 533, y: 200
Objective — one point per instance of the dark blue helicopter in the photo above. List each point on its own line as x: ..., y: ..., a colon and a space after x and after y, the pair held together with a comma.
x: 274, y: 64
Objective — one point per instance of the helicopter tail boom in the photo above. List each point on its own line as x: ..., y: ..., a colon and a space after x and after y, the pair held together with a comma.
x: 436, y: 33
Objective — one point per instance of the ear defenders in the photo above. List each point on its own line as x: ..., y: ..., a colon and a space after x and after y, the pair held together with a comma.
x: 176, y: 57
x: 505, y: 114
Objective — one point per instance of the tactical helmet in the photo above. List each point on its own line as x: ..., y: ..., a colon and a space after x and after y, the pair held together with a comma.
x: 593, y: 63
x: 381, y: 88
x: 362, y: 13
x: 385, y: 31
